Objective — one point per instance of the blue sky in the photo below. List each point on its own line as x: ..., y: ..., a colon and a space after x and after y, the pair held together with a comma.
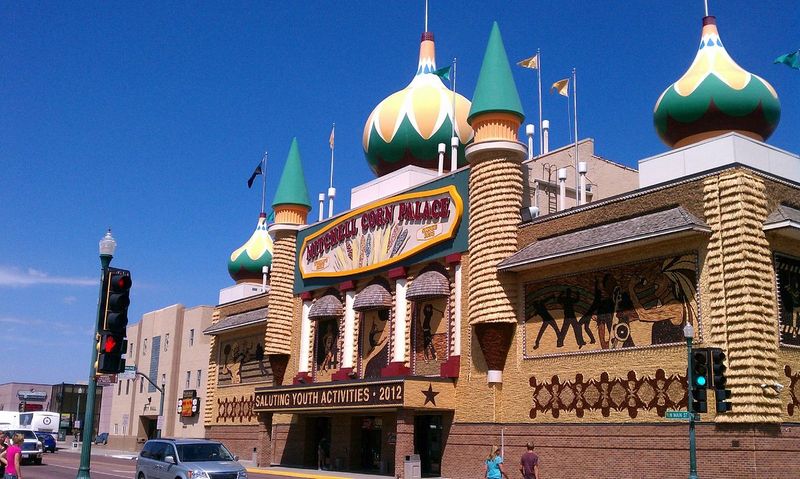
x: 148, y: 117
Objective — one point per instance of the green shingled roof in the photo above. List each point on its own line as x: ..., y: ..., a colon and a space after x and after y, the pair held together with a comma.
x: 292, y: 187
x: 496, y: 90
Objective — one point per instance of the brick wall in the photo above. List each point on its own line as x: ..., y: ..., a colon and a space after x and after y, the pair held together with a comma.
x: 240, y: 440
x: 629, y: 450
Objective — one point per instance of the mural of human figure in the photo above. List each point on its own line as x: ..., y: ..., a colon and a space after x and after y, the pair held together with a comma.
x: 570, y: 321
x: 607, y: 308
x: 586, y: 319
x: 429, y: 351
x: 547, y: 321
x: 328, y: 349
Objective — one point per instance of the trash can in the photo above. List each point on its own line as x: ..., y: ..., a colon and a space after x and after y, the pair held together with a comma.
x: 412, y: 468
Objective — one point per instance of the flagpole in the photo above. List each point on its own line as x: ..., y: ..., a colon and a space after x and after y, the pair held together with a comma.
x: 263, y: 182
x: 331, y: 189
x: 539, y: 72
x: 575, y: 120
x: 454, y: 143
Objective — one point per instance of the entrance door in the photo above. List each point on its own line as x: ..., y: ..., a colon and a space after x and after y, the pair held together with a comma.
x: 147, y: 427
x: 428, y: 443
x: 320, y: 445
x: 371, y: 428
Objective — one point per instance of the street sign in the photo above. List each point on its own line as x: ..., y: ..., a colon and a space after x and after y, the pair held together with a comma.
x: 160, y: 423
x: 129, y: 373
x: 680, y: 415
x: 106, y: 379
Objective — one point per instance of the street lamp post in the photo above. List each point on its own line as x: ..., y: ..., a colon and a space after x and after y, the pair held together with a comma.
x: 79, y: 435
x: 107, y: 247
x: 688, y: 333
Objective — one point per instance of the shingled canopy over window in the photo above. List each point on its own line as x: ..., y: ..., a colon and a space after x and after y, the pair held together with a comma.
x: 328, y: 306
x: 429, y: 285
x: 374, y: 296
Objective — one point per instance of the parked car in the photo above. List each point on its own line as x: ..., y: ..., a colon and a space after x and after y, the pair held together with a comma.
x: 31, y: 448
x: 101, y: 438
x: 187, y: 459
x: 48, y: 441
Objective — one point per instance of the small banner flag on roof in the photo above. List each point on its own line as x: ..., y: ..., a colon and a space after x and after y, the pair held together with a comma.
x: 256, y: 172
x: 532, y: 62
x: 792, y: 60
x: 271, y: 217
x: 444, y: 72
x: 561, y: 86
x: 330, y: 140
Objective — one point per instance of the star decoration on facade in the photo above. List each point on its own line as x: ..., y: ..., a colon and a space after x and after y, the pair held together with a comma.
x: 430, y: 395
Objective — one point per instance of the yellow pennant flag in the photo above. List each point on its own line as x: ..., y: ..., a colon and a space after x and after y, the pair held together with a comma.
x: 333, y: 129
x: 561, y: 86
x: 532, y: 62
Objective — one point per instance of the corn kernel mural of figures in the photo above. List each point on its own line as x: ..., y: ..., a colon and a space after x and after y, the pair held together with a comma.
x: 374, y: 342
x: 430, y: 332
x: 242, y: 361
x: 634, y: 305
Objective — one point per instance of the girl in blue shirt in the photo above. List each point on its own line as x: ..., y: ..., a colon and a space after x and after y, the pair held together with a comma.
x: 494, y: 465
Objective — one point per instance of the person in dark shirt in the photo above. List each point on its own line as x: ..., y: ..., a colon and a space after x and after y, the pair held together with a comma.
x: 529, y: 463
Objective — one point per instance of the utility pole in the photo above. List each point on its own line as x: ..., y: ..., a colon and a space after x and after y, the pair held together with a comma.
x: 161, y: 404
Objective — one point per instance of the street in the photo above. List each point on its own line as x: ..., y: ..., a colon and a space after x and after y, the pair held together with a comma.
x: 64, y: 465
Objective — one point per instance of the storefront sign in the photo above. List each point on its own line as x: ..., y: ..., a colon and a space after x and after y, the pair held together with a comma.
x: 382, y: 233
x: 417, y: 393
x: 32, y: 395
x: 316, y: 397
x: 189, y: 404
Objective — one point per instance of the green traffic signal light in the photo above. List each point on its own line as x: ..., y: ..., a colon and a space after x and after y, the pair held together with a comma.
x: 700, y: 381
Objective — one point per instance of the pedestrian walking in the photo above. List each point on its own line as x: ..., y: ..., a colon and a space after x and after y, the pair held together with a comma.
x: 494, y: 465
x: 11, y: 458
x: 529, y: 463
x: 3, y: 447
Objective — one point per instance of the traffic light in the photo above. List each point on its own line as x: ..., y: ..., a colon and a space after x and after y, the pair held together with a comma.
x: 111, y: 348
x: 718, y: 380
x: 111, y: 343
x: 700, y: 369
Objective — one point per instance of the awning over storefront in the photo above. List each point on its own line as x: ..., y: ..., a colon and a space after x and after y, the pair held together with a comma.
x: 237, y: 321
x: 428, y: 285
x: 784, y: 220
x: 374, y: 296
x: 328, y: 306
x: 618, y: 235
x: 368, y: 394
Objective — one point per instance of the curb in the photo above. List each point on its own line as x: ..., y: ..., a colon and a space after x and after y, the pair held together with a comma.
x: 304, y: 475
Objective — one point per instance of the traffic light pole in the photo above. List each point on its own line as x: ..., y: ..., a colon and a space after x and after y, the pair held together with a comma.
x: 161, y: 405
x: 88, y: 419
x: 690, y: 408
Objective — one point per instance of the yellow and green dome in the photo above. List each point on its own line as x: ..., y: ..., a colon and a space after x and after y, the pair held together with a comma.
x: 715, y: 96
x: 407, y: 127
x: 247, y: 262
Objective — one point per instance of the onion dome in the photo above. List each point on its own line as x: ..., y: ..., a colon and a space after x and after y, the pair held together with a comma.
x: 407, y: 127
x: 715, y: 96
x: 247, y: 262
x: 496, y: 91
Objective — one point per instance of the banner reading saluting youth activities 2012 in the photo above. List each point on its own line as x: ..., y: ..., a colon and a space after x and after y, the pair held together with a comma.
x: 382, y: 233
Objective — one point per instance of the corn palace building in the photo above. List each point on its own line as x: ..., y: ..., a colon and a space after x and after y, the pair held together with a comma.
x: 441, y: 314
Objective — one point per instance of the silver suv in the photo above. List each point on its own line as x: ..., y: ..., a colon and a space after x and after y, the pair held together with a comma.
x: 187, y: 459
x: 31, y: 448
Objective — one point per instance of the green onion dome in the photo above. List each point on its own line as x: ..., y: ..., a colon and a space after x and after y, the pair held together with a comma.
x: 247, y: 262
x: 715, y: 96
x: 407, y: 127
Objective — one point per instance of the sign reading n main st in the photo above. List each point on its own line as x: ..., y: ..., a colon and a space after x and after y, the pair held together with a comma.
x: 428, y: 393
x: 382, y: 233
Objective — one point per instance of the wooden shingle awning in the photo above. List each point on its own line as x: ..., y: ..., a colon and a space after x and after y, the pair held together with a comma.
x: 328, y: 306
x: 784, y: 220
x: 429, y: 285
x: 374, y: 296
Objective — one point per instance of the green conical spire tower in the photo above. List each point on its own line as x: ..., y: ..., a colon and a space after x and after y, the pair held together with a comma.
x: 292, y: 188
x: 496, y: 90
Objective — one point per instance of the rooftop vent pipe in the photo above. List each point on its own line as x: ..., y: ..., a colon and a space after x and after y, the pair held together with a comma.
x: 545, y: 136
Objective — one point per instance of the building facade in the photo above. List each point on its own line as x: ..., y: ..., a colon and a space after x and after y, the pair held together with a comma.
x: 169, y: 347
x: 439, y: 320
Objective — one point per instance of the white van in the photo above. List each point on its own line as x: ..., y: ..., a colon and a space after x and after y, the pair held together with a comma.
x: 9, y: 420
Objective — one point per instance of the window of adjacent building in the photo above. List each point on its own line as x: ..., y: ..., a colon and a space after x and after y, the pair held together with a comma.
x: 130, y: 352
x: 127, y: 387
x: 199, y: 372
x: 144, y: 347
x: 141, y: 385
x: 119, y: 388
x: 116, y: 429
x: 166, y: 342
x: 163, y: 380
x: 191, y: 337
x: 124, y: 429
x: 188, y: 379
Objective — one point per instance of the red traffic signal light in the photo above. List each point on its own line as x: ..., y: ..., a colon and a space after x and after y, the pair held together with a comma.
x: 117, y: 300
x: 110, y: 350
